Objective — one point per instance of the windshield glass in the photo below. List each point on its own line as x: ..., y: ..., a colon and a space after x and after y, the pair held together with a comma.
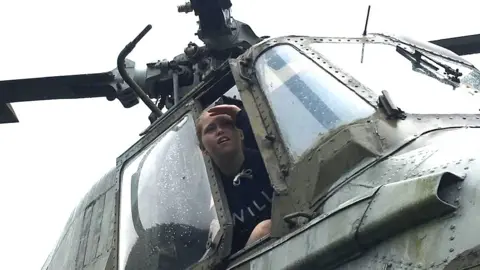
x: 307, y: 102
x: 424, y: 90
x: 166, y: 203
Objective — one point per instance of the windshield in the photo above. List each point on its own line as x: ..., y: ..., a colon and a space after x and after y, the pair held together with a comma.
x: 307, y: 102
x: 432, y: 87
x: 166, y: 203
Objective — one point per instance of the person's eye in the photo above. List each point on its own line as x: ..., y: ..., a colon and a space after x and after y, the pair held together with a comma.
x: 209, y: 128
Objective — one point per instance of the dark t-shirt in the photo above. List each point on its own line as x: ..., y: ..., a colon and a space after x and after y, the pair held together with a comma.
x: 250, y: 202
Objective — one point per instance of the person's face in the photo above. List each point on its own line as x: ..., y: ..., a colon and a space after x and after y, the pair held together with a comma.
x: 220, y: 137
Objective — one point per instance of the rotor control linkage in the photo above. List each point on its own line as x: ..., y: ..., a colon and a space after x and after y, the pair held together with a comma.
x: 123, y: 72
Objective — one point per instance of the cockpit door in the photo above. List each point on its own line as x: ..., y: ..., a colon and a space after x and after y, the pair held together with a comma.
x: 171, y: 211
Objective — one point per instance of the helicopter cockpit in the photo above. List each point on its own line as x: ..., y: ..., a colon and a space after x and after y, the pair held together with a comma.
x: 173, y: 209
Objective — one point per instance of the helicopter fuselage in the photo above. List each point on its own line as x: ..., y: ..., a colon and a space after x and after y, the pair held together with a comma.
x: 368, y: 173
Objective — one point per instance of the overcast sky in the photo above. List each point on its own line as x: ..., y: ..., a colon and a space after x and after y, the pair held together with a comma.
x: 59, y: 149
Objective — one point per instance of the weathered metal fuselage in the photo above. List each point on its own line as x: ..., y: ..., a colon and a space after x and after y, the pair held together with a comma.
x: 373, y: 188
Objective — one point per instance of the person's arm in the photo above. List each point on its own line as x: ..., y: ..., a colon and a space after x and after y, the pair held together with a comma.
x: 243, y: 123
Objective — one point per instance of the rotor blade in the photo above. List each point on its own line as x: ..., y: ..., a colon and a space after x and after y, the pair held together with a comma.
x: 59, y: 87
x: 7, y: 114
x: 463, y: 45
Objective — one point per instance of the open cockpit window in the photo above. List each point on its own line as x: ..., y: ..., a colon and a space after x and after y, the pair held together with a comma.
x: 306, y: 100
x: 167, y: 214
x: 423, y: 81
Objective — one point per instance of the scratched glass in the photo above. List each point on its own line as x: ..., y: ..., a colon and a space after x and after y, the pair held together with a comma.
x: 383, y: 68
x: 307, y: 102
x: 167, y: 213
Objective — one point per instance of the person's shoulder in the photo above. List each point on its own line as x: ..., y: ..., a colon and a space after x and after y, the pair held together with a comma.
x: 253, y: 157
x: 253, y: 153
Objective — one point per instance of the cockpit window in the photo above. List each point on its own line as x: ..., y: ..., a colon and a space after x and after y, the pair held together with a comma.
x: 306, y: 100
x: 167, y: 213
x: 418, y: 82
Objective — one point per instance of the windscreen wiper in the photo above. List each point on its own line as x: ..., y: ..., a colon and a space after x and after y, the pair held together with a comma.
x: 416, y: 59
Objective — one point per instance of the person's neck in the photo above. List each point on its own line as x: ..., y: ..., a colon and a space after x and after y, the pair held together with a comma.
x: 230, y: 166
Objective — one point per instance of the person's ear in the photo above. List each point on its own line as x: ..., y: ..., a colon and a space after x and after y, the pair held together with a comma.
x: 241, y: 134
x: 204, y: 150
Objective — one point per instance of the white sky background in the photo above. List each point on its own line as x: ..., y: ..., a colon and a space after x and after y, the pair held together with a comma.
x: 59, y: 149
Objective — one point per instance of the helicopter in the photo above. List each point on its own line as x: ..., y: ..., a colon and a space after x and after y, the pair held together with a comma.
x: 369, y: 179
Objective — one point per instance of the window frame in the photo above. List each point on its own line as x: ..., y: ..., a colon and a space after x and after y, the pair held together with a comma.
x: 280, y: 165
x: 222, y: 241
x: 246, y: 75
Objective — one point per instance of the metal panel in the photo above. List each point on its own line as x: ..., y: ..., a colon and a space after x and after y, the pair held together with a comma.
x: 65, y: 255
x: 84, y: 236
x: 106, y: 234
x: 95, y: 229
x: 98, y: 264
x: 77, y: 229
x: 323, y: 242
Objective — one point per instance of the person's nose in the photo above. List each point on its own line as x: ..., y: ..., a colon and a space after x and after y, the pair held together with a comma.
x: 220, y: 131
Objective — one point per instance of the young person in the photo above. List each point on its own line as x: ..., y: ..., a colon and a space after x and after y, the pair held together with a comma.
x: 243, y: 173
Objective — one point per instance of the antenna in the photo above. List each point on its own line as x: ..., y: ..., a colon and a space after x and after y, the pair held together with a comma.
x: 365, y: 34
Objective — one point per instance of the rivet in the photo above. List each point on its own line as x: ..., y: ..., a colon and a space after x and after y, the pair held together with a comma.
x: 418, y: 118
x: 466, y: 168
x: 452, y: 237
x: 445, y: 260
x: 452, y: 227
x: 457, y: 200
x: 451, y: 249
x: 410, y: 263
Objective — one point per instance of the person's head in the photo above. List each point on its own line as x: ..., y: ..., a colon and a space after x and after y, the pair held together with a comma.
x: 218, y: 136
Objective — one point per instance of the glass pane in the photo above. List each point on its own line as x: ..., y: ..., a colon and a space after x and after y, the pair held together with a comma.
x: 306, y: 100
x: 166, y: 204
x: 384, y: 68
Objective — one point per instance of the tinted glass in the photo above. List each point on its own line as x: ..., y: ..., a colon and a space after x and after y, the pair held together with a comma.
x: 307, y: 102
x: 166, y: 203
